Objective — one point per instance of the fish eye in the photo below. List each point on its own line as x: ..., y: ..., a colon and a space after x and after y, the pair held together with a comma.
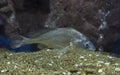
x: 87, y: 45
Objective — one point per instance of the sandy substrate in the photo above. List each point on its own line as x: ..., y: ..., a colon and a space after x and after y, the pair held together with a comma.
x: 70, y: 61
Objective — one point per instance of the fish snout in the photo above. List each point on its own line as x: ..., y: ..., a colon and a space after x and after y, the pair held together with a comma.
x: 89, y: 45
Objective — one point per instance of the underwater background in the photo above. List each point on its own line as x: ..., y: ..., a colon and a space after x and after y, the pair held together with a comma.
x: 59, y: 37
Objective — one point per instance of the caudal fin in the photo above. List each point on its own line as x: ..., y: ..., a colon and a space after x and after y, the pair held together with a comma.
x: 18, y: 42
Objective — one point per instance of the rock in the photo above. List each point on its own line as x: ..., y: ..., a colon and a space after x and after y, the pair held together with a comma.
x: 20, y: 18
x: 31, y: 14
x: 113, y: 33
x: 8, y: 13
x: 83, y: 15
x: 2, y: 23
x: 80, y: 14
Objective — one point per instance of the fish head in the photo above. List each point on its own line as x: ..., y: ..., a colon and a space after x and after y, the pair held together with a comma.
x: 89, y: 45
x: 82, y: 43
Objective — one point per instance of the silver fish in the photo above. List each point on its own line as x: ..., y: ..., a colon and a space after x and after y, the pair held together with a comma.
x: 57, y: 38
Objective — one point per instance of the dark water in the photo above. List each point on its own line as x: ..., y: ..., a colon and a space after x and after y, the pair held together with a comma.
x: 116, y: 48
x: 5, y: 43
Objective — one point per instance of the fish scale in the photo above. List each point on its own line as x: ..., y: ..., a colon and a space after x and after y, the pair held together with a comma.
x: 57, y: 38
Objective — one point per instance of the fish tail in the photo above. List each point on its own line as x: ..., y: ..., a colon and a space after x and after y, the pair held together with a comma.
x: 18, y: 42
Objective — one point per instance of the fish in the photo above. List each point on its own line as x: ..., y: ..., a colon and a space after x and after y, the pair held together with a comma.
x: 57, y: 38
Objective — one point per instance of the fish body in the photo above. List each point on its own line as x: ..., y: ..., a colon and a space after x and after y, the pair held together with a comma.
x: 58, y: 38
